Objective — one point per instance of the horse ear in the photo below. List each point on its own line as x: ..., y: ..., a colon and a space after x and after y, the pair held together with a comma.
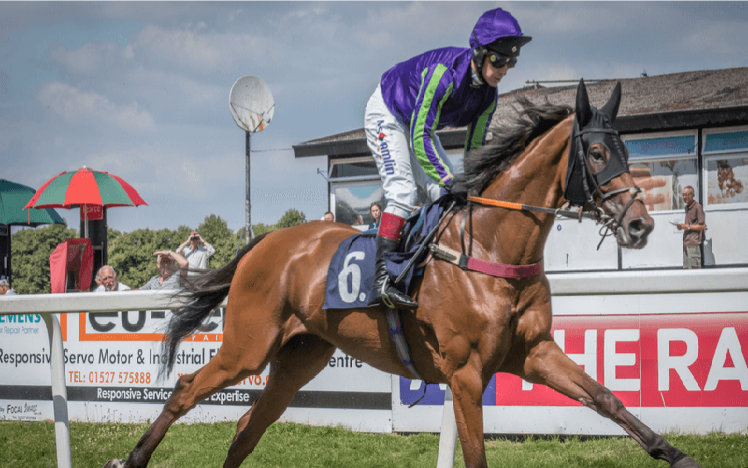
x: 583, y: 111
x: 611, y: 108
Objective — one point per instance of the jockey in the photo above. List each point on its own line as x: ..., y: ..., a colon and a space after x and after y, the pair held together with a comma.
x: 453, y: 87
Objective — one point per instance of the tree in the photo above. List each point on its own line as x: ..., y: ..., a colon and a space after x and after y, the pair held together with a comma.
x: 292, y: 217
x: 31, y: 251
x: 131, y: 254
x: 259, y: 229
x: 216, y: 232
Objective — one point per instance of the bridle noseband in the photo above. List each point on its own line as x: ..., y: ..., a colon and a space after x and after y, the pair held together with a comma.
x: 579, y: 179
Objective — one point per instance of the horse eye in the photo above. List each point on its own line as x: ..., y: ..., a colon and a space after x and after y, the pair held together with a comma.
x: 596, y: 154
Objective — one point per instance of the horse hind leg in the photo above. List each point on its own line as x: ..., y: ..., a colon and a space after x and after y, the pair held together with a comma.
x: 298, y: 362
x: 546, y: 364
x: 230, y: 365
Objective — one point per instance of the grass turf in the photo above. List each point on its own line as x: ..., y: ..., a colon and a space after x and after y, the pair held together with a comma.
x: 31, y: 445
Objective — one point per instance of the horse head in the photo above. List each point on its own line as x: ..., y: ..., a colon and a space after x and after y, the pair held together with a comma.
x: 598, y: 171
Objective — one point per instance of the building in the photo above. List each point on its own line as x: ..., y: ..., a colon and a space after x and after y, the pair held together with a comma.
x: 680, y: 129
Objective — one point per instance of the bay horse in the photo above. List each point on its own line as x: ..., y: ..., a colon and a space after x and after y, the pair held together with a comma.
x: 468, y: 325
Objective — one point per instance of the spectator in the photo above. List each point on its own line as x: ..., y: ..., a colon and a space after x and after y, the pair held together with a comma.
x: 359, y: 221
x: 5, y: 288
x: 376, y: 212
x: 108, y: 279
x: 168, y: 273
x: 329, y: 216
x: 693, y: 230
x: 197, y: 256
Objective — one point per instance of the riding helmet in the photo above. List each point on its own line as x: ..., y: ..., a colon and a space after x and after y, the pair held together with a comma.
x: 498, y: 31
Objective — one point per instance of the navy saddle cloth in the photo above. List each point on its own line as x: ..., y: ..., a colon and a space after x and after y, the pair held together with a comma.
x: 351, y: 272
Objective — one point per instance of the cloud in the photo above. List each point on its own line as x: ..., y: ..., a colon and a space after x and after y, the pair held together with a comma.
x: 199, y: 50
x: 75, y: 105
x: 725, y: 40
x: 556, y: 72
x: 91, y: 57
x: 190, y: 93
x: 314, y: 12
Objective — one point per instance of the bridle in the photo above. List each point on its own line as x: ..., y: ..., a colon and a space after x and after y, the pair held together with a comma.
x: 616, y: 165
x: 579, y: 180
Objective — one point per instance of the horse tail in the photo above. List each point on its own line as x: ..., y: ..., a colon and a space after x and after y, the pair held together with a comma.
x: 204, y: 292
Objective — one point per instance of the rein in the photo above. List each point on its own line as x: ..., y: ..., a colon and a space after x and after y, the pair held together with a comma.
x: 609, y: 224
x: 594, y: 215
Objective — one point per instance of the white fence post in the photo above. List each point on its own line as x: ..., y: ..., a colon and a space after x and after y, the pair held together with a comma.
x: 48, y: 304
x: 448, y: 436
x: 59, y: 391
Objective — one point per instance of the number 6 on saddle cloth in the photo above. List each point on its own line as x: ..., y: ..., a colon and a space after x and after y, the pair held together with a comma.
x: 351, y: 272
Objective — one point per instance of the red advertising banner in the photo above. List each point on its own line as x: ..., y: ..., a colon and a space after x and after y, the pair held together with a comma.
x: 658, y: 360
x: 94, y: 212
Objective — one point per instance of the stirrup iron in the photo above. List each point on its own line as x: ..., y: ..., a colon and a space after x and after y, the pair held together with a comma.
x: 383, y: 293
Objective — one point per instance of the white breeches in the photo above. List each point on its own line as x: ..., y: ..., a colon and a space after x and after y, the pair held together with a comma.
x: 389, y: 141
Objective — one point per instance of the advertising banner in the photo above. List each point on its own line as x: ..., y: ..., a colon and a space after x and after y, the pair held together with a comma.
x: 112, y: 363
x: 643, y: 360
x: 676, y: 360
x: 675, y: 371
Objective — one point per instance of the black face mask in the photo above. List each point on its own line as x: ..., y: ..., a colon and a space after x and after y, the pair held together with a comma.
x: 593, y: 126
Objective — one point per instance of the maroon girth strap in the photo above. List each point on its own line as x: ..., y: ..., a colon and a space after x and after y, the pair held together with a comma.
x: 497, y: 270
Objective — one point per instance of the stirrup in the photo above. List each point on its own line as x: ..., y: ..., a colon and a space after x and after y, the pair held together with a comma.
x: 383, y: 293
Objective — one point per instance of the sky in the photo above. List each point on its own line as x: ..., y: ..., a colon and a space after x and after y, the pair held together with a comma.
x: 141, y: 89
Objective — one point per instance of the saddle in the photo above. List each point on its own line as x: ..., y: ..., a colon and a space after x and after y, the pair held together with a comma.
x: 351, y: 272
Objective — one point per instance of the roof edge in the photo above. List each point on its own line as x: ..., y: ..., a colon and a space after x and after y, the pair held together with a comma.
x: 642, y: 123
x: 450, y: 138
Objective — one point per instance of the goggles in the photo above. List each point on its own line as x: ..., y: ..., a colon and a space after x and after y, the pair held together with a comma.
x: 500, y: 61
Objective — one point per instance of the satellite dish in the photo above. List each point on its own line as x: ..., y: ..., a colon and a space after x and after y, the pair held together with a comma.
x: 251, y: 104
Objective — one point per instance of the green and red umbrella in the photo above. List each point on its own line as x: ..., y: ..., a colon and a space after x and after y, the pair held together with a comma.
x: 85, y: 187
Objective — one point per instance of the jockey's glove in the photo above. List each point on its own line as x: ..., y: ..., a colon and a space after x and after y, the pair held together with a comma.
x: 456, y: 191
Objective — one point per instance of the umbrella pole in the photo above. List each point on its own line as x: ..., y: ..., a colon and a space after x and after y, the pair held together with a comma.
x: 85, y: 221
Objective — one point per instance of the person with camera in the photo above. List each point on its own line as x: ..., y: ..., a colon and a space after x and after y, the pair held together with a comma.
x: 196, y: 255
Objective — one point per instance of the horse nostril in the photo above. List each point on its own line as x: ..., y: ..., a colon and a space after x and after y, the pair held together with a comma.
x: 639, y: 228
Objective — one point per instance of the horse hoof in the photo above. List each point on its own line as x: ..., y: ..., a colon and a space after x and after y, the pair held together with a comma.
x: 115, y: 464
x: 686, y: 462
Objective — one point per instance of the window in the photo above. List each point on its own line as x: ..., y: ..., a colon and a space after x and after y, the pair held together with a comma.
x: 355, y: 184
x: 662, y: 166
x: 726, y: 169
x: 725, y: 180
x: 353, y: 199
x: 353, y: 167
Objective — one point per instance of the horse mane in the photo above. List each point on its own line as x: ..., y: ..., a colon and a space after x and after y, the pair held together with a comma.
x: 509, y: 141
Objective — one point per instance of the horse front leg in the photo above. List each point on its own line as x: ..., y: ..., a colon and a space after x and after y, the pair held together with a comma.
x: 546, y: 364
x: 467, y: 388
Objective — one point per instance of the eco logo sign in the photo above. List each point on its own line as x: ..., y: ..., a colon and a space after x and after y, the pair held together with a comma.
x: 143, y: 325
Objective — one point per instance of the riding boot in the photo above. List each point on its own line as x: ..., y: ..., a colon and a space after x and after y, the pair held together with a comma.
x: 383, y: 291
